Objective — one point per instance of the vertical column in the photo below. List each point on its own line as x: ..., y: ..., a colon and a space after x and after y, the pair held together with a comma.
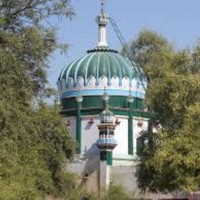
x: 102, y: 36
x: 105, y: 163
x: 102, y: 21
x: 130, y: 126
x: 79, y: 100
x: 106, y: 143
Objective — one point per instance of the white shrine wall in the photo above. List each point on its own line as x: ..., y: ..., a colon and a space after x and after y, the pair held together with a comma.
x: 90, y: 134
x: 121, y: 136
x: 71, y: 126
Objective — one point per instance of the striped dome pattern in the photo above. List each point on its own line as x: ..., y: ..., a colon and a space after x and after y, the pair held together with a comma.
x: 97, y: 63
x: 101, y: 68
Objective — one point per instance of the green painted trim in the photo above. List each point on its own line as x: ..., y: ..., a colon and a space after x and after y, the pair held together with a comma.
x: 96, y: 101
x: 109, y: 158
x: 97, y: 110
x: 78, y: 127
x: 130, y: 131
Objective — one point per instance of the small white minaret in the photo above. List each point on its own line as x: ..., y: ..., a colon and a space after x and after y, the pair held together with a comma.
x: 102, y: 21
x: 106, y: 144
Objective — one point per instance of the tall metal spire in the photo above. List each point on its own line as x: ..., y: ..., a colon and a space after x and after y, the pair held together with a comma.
x: 102, y: 21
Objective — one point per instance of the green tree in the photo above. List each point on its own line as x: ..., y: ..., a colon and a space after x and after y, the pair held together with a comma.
x: 34, y: 144
x: 114, y: 192
x: 149, y: 50
x: 171, y: 159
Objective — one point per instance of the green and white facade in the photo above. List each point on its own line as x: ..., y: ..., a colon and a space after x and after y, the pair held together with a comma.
x: 82, y: 84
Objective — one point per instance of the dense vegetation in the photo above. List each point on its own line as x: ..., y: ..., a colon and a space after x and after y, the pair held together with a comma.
x: 33, y: 141
x: 171, y: 160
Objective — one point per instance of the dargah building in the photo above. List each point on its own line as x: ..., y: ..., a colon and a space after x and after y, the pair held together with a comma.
x: 102, y: 103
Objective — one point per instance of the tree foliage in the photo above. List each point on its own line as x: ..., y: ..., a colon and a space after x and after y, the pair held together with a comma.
x: 114, y: 192
x: 34, y: 144
x: 171, y: 160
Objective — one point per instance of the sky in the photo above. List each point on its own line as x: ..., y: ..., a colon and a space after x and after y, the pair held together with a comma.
x: 177, y: 20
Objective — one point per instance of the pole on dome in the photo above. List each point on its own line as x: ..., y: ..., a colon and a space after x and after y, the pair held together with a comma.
x: 102, y: 5
x: 102, y: 21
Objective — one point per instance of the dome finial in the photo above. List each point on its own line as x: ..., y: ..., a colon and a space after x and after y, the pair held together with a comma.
x: 102, y: 5
x: 102, y: 21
